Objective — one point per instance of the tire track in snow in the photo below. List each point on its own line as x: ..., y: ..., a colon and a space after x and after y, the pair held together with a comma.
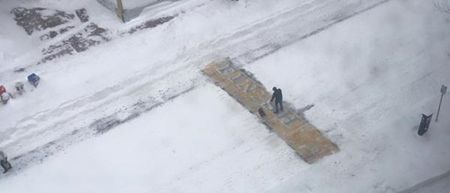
x: 96, y: 127
x: 95, y: 100
x: 152, y: 87
x: 272, y: 33
x: 261, y: 51
x: 256, y: 54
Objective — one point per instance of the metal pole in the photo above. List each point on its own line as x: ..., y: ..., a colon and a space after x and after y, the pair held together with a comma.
x: 120, y: 10
x: 439, y: 108
x: 443, y: 91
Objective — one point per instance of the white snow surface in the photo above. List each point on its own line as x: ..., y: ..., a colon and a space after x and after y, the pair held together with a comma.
x: 177, y: 148
x: 369, y: 78
x: 130, y: 4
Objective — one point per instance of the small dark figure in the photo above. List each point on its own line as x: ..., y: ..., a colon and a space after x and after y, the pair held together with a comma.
x: 19, y: 88
x: 4, y: 98
x: 278, y: 96
x: 261, y: 112
x: 33, y: 79
x: 424, y: 124
x: 4, y: 162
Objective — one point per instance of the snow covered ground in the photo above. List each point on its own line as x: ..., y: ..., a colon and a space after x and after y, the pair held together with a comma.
x: 179, y: 147
x: 369, y: 69
x: 369, y: 79
x: 130, y: 4
x: 436, y: 184
x: 116, y: 75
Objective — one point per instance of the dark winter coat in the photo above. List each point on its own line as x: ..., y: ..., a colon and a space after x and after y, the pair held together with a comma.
x: 277, y: 95
x: 2, y: 156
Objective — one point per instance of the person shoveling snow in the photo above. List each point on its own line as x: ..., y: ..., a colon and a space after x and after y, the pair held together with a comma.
x: 278, y: 96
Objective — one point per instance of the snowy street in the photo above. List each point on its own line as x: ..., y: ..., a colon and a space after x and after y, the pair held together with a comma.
x: 133, y: 112
x: 95, y: 91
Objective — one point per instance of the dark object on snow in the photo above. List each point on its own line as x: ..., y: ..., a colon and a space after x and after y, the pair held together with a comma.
x: 82, y: 15
x: 19, y: 69
x: 4, y: 98
x: 4, y: 162
x: 53, y: 33
x: 151, y: 24
x: 278, y: 96
x: 424, y: 124
x: 38, y: 19
x: 33, y: 79
x: 261, y: 112
x: 89, y: 36
x: 2, y: 89
x: 20, y: 88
